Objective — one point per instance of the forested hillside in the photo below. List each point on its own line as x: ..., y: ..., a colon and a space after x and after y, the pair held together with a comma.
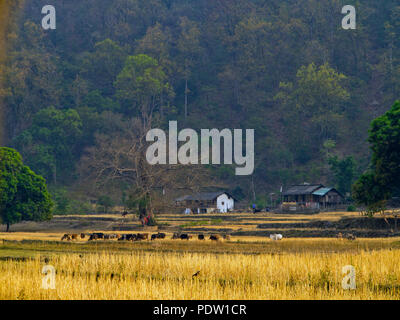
x: 285, y: 68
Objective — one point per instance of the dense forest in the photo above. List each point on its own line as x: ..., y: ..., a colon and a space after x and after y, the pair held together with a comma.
x: 74, y: 96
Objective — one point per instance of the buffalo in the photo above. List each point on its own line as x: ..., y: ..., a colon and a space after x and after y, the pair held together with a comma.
x: 66, y: 237
x: 176, y: 235
x: 93, y: 237
x: 110, y: 236
x: 142, y: 236
x: 127, y: 237
x: 201, y: 237
x: 69, y: 237
x: 185, y: 236
x: 158, y: 236
x: 350, y: 237
x: 214, y: 237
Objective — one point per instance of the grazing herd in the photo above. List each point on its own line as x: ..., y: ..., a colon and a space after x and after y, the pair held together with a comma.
x: 176, y: 235
x: 139, y: 236
x: 69, y: 237
x: 348, y: 236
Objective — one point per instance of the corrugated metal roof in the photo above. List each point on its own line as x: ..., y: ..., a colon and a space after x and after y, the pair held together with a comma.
x: 302, y: 189
x: 204, y: 196
x: 322, y: 191
x: 181, y: 198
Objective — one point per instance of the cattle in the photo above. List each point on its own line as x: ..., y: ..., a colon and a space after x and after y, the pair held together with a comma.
x: 214, y: 237
x: 227, y: 237
x: 350, y: 237
x: 185, y: 236
x: 66, y: 237
x: 176, y: 235
x: 93, y: 237
x: 83, y: 236
x: 339, y: 235
x: 99, y: 235
x: 142, y: 236
x: 127, y: 237
x: 69, y: 237
x: 201, y: 237
x: 131, y: 237
x: 158, y: 236
x: 107, y: 237
x: 276, y: 236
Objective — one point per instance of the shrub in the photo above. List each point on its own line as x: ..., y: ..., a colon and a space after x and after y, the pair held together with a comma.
x: 351, y: 208
x: 105, y: 202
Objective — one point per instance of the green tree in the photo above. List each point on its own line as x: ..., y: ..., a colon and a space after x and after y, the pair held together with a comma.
x: 102, y: 66
x: 24, y: 195
x: 384, y: 137
x: 106, y: 202
x: 157, y: 43
x: 315, y: 101
x: 141, y: 86
x: 32, y: 77
x: 50, y: 143
x: 96, y: 102
x: 344, y: 171
x: 189, y: 48
x: 377, y: 185
x: 367, y: 191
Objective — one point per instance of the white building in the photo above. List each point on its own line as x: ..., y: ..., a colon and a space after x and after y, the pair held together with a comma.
x: 207, y: 202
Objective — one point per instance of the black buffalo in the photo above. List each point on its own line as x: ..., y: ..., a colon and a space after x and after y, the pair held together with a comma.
x: 185, y: 236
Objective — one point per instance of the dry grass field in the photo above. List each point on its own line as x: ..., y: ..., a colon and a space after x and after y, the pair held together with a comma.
x: 244, y: 267
x: 120, y: 273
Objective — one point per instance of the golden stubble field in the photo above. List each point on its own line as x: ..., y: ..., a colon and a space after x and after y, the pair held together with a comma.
x: 287, y: 269
x: 244, y: 267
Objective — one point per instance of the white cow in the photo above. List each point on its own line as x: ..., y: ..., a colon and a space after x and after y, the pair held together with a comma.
x: 276, y: 236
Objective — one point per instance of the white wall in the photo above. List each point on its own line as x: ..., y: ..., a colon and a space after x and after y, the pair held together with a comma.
x: 228, y: 203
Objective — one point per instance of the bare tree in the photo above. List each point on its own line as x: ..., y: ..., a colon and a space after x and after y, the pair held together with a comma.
x: 122, y: 159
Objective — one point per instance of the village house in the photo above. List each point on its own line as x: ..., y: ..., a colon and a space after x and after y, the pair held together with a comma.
x: 206, y: 202
x: 308, y: 198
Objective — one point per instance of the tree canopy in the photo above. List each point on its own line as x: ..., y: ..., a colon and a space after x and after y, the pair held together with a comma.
x: 383, y: 179
x: 23, y: 194
x: 284, y: 68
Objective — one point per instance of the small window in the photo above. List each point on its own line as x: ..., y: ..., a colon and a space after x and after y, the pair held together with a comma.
x: 222, y: 203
